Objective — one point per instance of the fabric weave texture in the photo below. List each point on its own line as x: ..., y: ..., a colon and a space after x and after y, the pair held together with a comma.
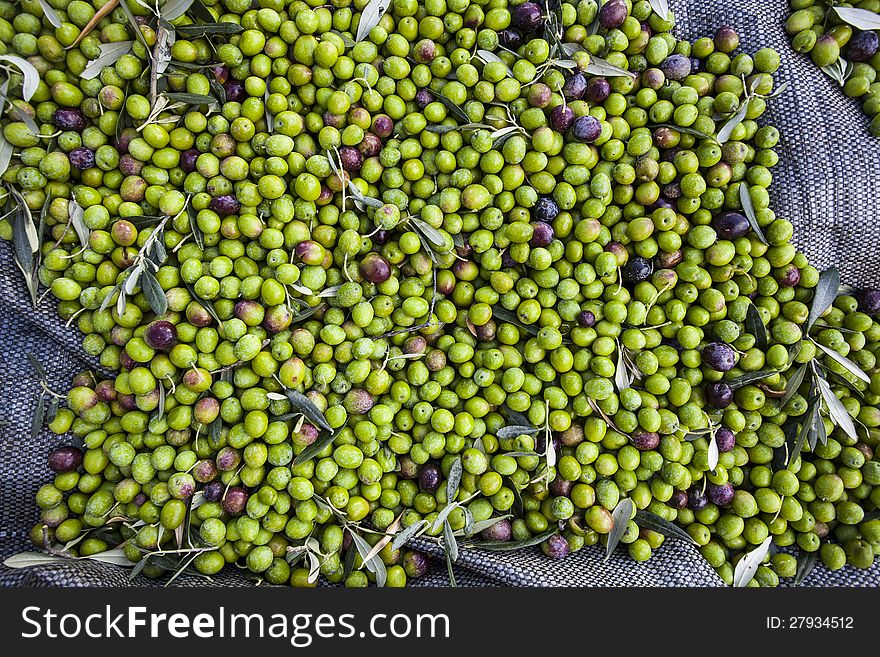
x: 827, y: 183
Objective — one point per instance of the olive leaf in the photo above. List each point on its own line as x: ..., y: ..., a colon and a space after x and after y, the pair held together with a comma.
x: 76, y: 219
x: 750, y: 377
x: 110, y: 54
x: 511, y: 546
x: 600, y: 67
x: 513, y: 431
x: 794, y: 382
x: 132, y: 22
x: 50, y: 14
x: 844, y: 362
x: 860, y: 18
x: 622, y: 376
x: 166, y: 39
x: 731, y: 124
x: 838, y: 71
x: 403, y: 536
x: 475, y: 528
x: 661, y: 8
x: 486, y: 56
x: 823, y: 296
x: 568, y: 49
x: 781, y: 89
x: 660, y: 525
x: 39, y: 417
x: 450, y: 545
x: 620, y: 518
x: 191, y: 99
x: 6, y: 150
x: 450, y: 570
x: 841, y: 380
x: 454, y: 480
x: 748, y: 565
x: 205, y: 303
x: 30, y: 559
x: 29, y: 73
x: 682, y: 129
x: 204, y: 29
x: 806, y: 561
x: 518, y: 505
x: 154, y: 293
x: 370, y: 17
x: 25, y: 242
x: 836, y: 410
x: 374, y: 564
x: 713, y: 454
x: 428, y: 231
x: 199, y: 10
x: 174, y: 9
x: 503, y: 314
x: 808, y: 434
x: 745, y: 200
x: 755, y: 325
x: 307, y: 407
x: 451, y: 106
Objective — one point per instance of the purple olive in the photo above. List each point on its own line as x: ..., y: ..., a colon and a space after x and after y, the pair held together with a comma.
x: 106, y: 391
x: 726, y: 39
x: 679, y: 499
x: 235, y: 500
x: 374, y: 268
x: 697, y: 499
x: 555, y: 547
x: 220, y: 73
x: 424, y: 98
x: 586, y: 129
x: 235, y: 91
x: 575, y: 87
x: 725, y: 439
x: 545, y: 209
x: 540, y: 95
x: 638, y: 269
x: 862, y: 47
x: 790, y: 276
x: 560, y: 487
x: 225, y: 205
x: 351, y: 158
x: 720, y: 356
x: 160, y: 334
x: 416, y: 564
x: 598, y: 90
x: 645, y: 440
x: 500, y: 531
x: 358, y: 401
x: 204, y: 471
x: 424, y: 51
x: 719, y: 395
x: 561, y: 118
x: 65, y: 459
x: 429, y: 477
x: 70, y: 119
x: 188, y: 159
x: 82, y: 158
x: 510, y: 39
x: 653, y: 78
x: 527, y: 17
x: 277, y: 319
x: 586, y: 319
x: 307, y: 434
x: 409, y: 469
x: 676, y: 67
x: 370, y: 145
x: 213, y: 491
x: 542, y: 234
x: 612, y: 14
x: 730, y: 225
x: 721, y: 495
x: 228, y: 459
x: 383, y: 126
x: 868, y: 300
x: 668, y: 259
x: 672, y: 191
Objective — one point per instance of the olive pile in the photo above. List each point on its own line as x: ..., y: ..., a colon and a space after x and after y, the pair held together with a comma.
x: 472, y: 272
x: 836, y: 44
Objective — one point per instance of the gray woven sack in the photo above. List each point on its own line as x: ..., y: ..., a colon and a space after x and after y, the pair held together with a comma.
x: 827, y: 183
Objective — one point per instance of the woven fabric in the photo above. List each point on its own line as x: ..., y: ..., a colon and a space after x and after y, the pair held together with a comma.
x: 826, y: 183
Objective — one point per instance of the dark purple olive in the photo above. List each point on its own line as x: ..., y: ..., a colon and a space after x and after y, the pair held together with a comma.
x: 638, y: 269
x: 672, y: 191
x: 721, y: 495
x: 370, y: 145
x: 129, y: 165
x: 126, y: 402
x: 351, y: 158
x: 425, y: 51
x: 561, y: 118
x: 575, y: 87
x: 510, y: 39
x: 429, y: 477
x: 719, y: 395
x: 70, y: 119
x: 545, y: 209
x: 663, y: 203
x: 213, y: 491
x: 730, y: 225
x: 141, y: 498
x: 374, y: 268
x: 500, y: 531
x: 188, y: 159
x: 679, y: 499
x: 542, y: 234
x: 619, y: 251
x: 598, y: 90
x: 555, y: 547
x: 106, y: 391
x: 383, y: 126
x: 127, y: 363
x: 862, y: 47
x: 586, y: 129
x: 868, y: 300
x: 586, y: 319
x: 789, y: 277
x: 507, y: 260
x: 82, y: 158
x: 415, y: 345
x: 124, y: 140
x: 653, y: 78
x: 725, y: 439
x: 645, y: 440
x: 235, y: 500
x: 612, y: 14
x: 160, y: 334
x: 696, y: 65
x: 381, y: 237
x: 726, y: 39
x: 697, y: 499
x: 332, y: 120
x: 225, y: 205
x: 220, y: 73
x: 65, y: 459
x: 416, y: 564
x: 560, y: 487
x: 235, y: 91
x: 424, y: 98
x: 676, y: 67
x: 527, y: 17
x: 720, y: 356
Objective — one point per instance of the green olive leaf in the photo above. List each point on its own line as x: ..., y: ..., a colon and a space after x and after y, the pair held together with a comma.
x: 844, y: 362
x: 748, y: 565
x: 806, y: 561
x: 406, y: 534
x: 6, y: 150
x: 199, y: 10
x: 370, y: 17
x: 450, y: 570
x: 450, y: 545
x: 513, y: 431
x: 30, y: 559
x: 38, y: 418
x: 794, y: 382
x: 808, y: 434
x: 481, y: 525
x: 191, y: 99
x: 750, y: 377
x: 38, y: 366
x: 110, y: 54
x: 622, y: 377
x: 620, y: 518
x: 511, y: 546
x: 307, y: 407
x: 841, y: 380
x: 836, y: 410
x: 860, y: 18
x: 206, y: 29
x: 661, y: 8
x: 133, y: 24
x: 486, y: 57
x: 503, y: 314
x: 452, y: 107
x: 50, y: 14
x: 29, y: 73
x: 154, y: 293
x: 682, y: 129
x: 77, y: 215
x: 755, y: 325
x: 174, y: 9
x: 746, y: 201
x: 738, y: 117
x: 823, y: 296
x: 655, y: 523
x: 374, y: 564
x: 600, y: 67
x: 454, y: 479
